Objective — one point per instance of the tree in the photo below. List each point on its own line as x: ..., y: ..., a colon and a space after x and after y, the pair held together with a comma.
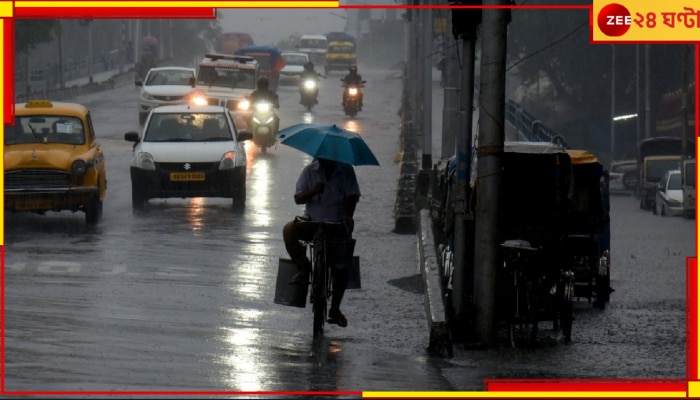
x: 30, y: 33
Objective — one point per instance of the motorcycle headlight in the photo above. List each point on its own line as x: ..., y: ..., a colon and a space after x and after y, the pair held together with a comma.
x: 228, y: 160
x: 269, y: 120
x: 352, y: 91
x: 146, y: 162
x: 79, y: 167
x: 243, y: 105
x: 262, y: 107
x: 309, y: 84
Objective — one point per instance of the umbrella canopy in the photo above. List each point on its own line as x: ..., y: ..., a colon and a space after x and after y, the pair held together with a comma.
x: 329, y: 142
x: 149, y: 41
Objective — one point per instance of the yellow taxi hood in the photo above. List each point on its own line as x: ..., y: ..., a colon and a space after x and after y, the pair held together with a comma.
x: 38, y: 155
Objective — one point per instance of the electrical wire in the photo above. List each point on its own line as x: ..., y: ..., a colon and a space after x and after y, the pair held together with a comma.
x: 554, y: 43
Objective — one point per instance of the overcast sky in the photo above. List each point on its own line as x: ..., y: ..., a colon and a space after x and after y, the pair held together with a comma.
x: 269, y: 26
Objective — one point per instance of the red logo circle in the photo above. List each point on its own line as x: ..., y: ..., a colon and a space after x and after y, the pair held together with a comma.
x: 614, y: 20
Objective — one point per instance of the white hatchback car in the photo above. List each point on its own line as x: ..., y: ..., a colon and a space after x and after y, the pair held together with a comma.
x: 164, y: 86
x: 293, y: 67
x: 669, y: 194
x: 188, y: 151
x: 623, y: 175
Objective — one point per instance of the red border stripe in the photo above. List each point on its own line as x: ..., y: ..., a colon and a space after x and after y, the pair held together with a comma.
x: 8, y: 111
x: 691, y: 352
x: 580, y: 385
x: 114, y: 13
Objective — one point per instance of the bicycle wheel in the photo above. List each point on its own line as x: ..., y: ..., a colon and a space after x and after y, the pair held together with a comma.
x: 319, y: 289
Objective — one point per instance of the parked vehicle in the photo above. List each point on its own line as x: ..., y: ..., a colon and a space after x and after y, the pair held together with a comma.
x: 623, y: 176
x: 315, y: 46
x: 653, y: 169
x: 227, y: 81
x: 669, y: 194
x: 53, y: 161
x: 293, y: 67
x: 188, y: 151
x: 269, y: 59
x: 164, y: 86
x: 689, y: 188
x: 340, y: 56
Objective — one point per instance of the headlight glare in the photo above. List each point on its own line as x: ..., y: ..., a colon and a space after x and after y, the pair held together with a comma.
x: 243, y: 105
x: 228, y: 160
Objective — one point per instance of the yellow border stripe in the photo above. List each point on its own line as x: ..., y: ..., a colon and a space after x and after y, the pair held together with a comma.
x: 176, y: 4
x: 6, y: 9
x: 538, y: 395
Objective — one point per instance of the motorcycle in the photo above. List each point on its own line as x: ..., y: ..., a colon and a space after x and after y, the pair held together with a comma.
x: 352, y: 96
x: 264, y: 124
x: 308, y: 89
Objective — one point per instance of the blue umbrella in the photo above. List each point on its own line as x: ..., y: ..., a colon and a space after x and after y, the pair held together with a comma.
x: 329, y: 142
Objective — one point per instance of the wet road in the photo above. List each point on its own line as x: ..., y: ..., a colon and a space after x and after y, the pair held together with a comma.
x: 180, y: 298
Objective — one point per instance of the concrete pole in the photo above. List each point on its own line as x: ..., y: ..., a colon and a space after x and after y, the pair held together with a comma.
x: 637, y: 108
x: 450, y: 72
x: 461, y: 280
x: 137, y: 41
x: 90, y: 54
x: 685, y: 55
x: 427, y: 80
x: 418, y: 115
x: 488, y: 185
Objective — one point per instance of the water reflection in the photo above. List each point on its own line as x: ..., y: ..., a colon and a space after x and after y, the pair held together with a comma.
x: 352, y: 125
x: 195, y: 214
x: 243, y: 359
x: 308, y: 118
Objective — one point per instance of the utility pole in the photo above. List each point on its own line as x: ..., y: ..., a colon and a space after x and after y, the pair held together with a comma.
x: 490, y: 151
x: 685, y: 55
x: 612, y: 105
x: 427, y: 98
x: 647, y: 94
x: 450, y: 79
x: 637, y: 108
x: 465, y: 23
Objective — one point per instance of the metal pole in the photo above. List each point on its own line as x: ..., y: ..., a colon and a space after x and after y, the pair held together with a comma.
x: 450, y: 80
x: 647, y: 94
x: 612, y: 106
x: 637, y: 108
x: 90, y: 54
x: 427, y: 109
x: 685, y: 55
x: 490, y: 150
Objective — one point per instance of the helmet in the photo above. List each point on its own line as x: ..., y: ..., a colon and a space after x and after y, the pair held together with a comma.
x: 263, y: 83
x: 309, y: 66
x: 353, y: 69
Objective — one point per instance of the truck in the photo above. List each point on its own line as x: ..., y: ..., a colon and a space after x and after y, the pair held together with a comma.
x: 655, y: 156
x: 340, y: 56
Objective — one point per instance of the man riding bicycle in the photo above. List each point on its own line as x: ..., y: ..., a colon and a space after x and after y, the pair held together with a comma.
x: 330, y: 192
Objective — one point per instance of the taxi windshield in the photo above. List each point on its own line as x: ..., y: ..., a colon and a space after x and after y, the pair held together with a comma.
x: 45, y: 129
x: 226, y: 77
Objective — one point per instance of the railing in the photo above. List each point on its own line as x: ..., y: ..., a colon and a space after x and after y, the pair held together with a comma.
x: 531, y: 128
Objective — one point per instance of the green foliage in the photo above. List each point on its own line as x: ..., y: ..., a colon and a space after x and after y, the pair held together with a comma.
x: 193, y: 37
x: 30, y: 33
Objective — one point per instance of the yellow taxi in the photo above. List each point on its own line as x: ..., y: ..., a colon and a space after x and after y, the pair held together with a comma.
x: 53, y: 161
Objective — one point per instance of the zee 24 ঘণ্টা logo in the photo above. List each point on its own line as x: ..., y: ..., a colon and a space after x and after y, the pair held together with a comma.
x: 638, y: 21
x: 614, y: 20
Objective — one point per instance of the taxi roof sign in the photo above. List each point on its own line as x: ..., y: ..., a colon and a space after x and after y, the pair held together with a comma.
x: 240, y: 59
x: 39, y: 104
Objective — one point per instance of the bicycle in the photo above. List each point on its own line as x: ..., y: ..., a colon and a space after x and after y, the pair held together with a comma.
x: 330, y: 247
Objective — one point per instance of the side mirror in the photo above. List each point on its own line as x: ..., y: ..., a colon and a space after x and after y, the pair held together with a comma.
x: 138, y: 82
x: 192, y: 81
x: 245, y: 135
x: 131, y: 136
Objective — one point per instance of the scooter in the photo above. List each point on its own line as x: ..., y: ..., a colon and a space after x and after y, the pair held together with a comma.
x: 264, y: 124
x: 308, y: 89
x: 352, y: 96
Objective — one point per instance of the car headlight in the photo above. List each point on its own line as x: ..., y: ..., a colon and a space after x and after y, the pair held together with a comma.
x: 353, y: 91
x: 228, y: 160
x: 309, y: 84
x: 243, y: 105
x: 79, y: 167
x: 674, y: 203
x: 147, y: 96
x: 146, y: 162
x: 199, y: 101
x: 262, y: 107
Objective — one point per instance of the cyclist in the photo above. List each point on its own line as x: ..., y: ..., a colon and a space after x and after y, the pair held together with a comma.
x: 330, y: 192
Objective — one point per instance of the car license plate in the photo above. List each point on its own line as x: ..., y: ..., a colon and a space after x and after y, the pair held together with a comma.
x: 33, y: 204
x: 186, y: 176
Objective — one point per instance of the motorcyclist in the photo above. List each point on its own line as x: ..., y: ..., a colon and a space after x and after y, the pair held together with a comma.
x: 353, y: 79
x: 310, y: 73
x: 263, y: 93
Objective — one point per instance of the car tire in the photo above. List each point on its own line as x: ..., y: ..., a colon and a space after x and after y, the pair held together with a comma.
x: 239, y: 189
x: 93, y: 210
x: 138, y: 197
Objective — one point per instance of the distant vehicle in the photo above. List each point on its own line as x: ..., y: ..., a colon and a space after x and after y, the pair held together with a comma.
x: 229, y: 42
x: 341, y: 37
x: 164, y: 86
x: 669, y: 195
x: 227, y: 80
x: 623, y: 175
x: 668, y: 146
x: 315, y: 46
x: 340, y: 56
x: 293, y: 67
x: 653, y: 169
x: 188, y: 151
x: 269, y: 59
x: 53, y: 161
x: 689, y: 188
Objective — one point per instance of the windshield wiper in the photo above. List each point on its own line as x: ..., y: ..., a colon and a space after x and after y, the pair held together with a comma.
x: 36, y: 135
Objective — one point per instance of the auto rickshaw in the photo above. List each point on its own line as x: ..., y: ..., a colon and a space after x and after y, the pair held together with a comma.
x: 587, y: 239
x: 270, y: 60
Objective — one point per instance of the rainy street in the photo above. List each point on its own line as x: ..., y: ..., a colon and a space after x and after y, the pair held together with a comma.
x: 179, y: 298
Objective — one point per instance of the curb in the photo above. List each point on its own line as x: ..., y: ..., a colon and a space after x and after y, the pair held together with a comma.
x: 440, y: 342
